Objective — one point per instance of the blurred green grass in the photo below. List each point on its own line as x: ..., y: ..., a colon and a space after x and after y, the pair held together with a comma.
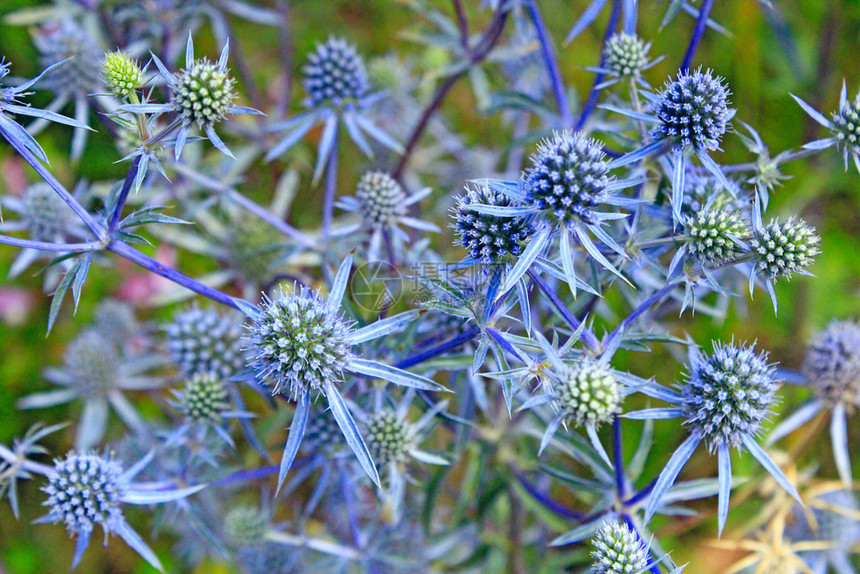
x: 761, y: 77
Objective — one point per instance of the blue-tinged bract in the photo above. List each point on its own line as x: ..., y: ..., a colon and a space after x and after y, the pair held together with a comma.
x: 693, y: 111
x: 335, y: 74
x: 488, y: 238
x: 568, y: 177
x: 298, y: 343
x: 728, y: 394
x: 618, y: 550
x: 831, y: 364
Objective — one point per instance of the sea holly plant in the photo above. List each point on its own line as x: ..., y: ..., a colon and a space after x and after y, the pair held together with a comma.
x: 550, y: 257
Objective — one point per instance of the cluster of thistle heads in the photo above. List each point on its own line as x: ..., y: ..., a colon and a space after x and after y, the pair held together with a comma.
x: 282, y: 423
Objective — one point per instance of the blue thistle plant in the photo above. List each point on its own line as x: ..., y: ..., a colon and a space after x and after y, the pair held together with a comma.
x: 618, y: 550
x: 87, y: 489
x: 301, y: 345
x: 727, y: 396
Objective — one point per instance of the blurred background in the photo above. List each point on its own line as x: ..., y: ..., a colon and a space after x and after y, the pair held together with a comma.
x: 808, y: 49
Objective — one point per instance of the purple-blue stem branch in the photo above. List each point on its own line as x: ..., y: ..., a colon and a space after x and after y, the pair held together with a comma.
x: 587, y: 335
x: 591, y: 103
x: 73, y: 203
x: 618, y: 457
x: 644, y: 306
x: 698, y: 32
x: 551, y: 63
x: 151, y: 264
x: 642, y: 494
x: 248, y: 475
x: 330, y: 188
x: 123, y: 195
x: 460, y: 339
x: 546, y: 501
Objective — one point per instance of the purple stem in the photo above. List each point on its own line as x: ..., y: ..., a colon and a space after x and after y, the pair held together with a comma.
x: 591, y: 103
x: 123, y: 194
x: 151, y: 264
x: 618, y: 457
x: 546, y: 501
x: 460, y: 339
x: 641, y: 495
x: 247, y: 475
x: 587, y: 335
x: 73, y: 203
x: 655, y: 569
x: 45, y: 246
x: 330, y: 185
x: 698, y: 32
x: 644, y: 306
x: 551, y: 63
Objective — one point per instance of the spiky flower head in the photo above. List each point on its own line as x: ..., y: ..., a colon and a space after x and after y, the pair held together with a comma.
x: 388, y: 437
x: 714, y: 236
x: 380, y: 198
x: 489, y: 238
x: 832, y: 363
x: 298, y: 342
x: 335, y: 73
x: 702, y: 188
x: 569, y: 177
x: 93, y: 363
x: 84, y: 490
x: 116, y: 321
x: 618, y: 550
x: 203, y: 93
x: 322, y: 433
x: 846, y: 126
x: 121, y: 73
x: 728, y: 394
x: 205, y: 399
x: 589, y: 393
x: 246, y: 526
x: 626, y: 55
x: 81, y: 74
x: 204, y: 342
x: 783, y: 248
x: 693, y: 111
x: 45, y: 214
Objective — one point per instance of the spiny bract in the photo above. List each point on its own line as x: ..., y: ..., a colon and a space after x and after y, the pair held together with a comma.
x: 84, y: 490
x: 334, y: 73
x: 380, y: 198
x: 783, y: 248
x: 832, y: 363
x: 728, y: 394
x: 693, y: 111
x: 569, y: 177
x: 618, y: 550
x: 589, y: 393
x: 203, y: 93
x: 298, y: 342
x: 204, y: 342
x: 490, y: 239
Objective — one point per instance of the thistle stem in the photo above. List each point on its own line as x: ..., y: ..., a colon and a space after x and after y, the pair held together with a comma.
x: 551, y: 63
x: 644, y: 306
x: 641, y: 495
x: 587, y: 335
x: 460, y: 339
x: 249, y: 475
x: 123, y: 195
x: 618, y: 457
x: 698, y: 32
x: 330, y: 188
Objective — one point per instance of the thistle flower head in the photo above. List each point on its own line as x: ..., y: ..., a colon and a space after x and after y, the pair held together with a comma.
x: 322, y: 433
x: 589, y: 393
x: 203, y: 93
x: 335, y: 73
x: 388, y: 437
x: 569, y: 177
x: 783, y: 248
x: 846, y: 126
x: 84, y: 490
x: 116, y: 321
x: 728, y: 394
x: 702, y: 188
x: 45, y: 214
x: 832, y: 363
x: 712, y: 236
x: 618, y: 550
x: 626, y: 55
x: 93, y: 363
x: 121, y: 73
x: 693, y: 111
x: 81, y: 74
x: 298, y: 342
x: 205, y: 399
x: 489, y: 238
x: 246, y: 526
x: 380, y: 198
x: 205, y: 342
